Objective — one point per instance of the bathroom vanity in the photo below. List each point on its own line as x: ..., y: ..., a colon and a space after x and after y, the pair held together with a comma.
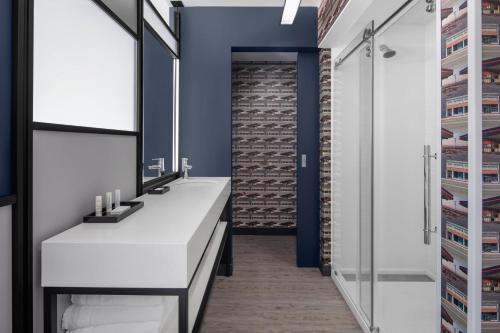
x: 171, y: 247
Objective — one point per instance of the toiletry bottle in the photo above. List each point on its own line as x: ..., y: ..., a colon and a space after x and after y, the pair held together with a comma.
x: 117, y: 199
x: 109, y: 202
x: 98, y: 205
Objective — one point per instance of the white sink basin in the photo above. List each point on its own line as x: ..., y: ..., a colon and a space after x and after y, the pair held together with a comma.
x: 194, y: 182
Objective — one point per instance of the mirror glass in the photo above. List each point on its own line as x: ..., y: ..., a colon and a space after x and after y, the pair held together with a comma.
x: 159, y: 91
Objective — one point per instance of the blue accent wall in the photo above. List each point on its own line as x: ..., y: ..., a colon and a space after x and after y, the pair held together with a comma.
x: 158, y: 103
x: 207, y: 36
x: 5, y: 97
x: 308, y: 243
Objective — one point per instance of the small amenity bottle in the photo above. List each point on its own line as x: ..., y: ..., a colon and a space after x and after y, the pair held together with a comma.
x: 98, y: 205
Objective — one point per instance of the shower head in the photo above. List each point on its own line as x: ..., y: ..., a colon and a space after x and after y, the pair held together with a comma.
x: 386, y: 51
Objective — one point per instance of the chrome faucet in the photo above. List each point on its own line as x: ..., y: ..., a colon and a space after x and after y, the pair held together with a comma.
x: 185, y: 168
x: 160, y: 166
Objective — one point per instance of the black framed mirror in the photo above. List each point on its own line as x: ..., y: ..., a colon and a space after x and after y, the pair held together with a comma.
x: 160, y: 89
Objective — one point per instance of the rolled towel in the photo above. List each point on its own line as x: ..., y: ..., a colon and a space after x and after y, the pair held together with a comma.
x: 114, y: 300
x: 145, y: 327
x: 170, y: 318
x: 82, y: 316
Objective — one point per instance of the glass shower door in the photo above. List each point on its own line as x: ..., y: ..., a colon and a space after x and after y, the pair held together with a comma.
x: 406, y: 172
x: 352, y: 175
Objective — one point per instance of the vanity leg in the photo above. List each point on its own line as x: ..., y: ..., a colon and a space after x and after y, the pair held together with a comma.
x: 183, y: 312
x: 226, y: 263
x: 49, y: 311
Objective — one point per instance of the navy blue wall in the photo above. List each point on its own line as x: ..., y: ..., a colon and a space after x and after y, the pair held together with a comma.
x: 308, y: 143
x: 207, y: 36
x: 5, y: 97
x: 158, y: 103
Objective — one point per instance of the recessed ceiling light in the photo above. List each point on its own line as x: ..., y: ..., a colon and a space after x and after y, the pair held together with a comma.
x: 289, y: 11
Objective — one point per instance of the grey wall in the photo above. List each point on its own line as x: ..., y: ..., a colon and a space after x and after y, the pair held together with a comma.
x: 207, y: 37
x: 5, y: 269
x: 69, y: 170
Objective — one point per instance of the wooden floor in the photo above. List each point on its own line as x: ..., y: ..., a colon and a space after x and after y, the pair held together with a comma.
x: 268, y: 293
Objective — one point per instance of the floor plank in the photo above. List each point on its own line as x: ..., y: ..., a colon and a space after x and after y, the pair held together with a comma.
x: 268, y: 293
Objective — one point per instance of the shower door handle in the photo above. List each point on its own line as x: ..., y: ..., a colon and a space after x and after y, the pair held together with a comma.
x: 428, y: 229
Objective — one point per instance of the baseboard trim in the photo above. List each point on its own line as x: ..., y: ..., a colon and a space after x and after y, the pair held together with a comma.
x: 265, y: 231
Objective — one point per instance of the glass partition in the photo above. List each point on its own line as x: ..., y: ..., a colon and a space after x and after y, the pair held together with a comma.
x: 352, y: 165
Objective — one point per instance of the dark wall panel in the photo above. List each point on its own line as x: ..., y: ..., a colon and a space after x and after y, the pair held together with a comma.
x: 5, y: 96
x: 158, y: 103
x: 308, y: 175
x: 208, y: 34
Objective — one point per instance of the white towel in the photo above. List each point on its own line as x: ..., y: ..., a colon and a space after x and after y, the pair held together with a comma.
x: 112, y: 300
x: 81, y: 316
x: 145, y: 327
x: 170, y: 318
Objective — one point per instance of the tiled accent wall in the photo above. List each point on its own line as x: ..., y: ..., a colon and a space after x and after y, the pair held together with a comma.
x: 264, y: 115
x: 328, y: 11
x: 325, y: 116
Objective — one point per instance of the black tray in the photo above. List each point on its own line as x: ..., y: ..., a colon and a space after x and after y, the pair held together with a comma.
x: 108, y: 218
x: 159, y: 190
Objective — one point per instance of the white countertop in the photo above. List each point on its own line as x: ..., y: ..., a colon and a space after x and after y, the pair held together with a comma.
x: 159, y: 246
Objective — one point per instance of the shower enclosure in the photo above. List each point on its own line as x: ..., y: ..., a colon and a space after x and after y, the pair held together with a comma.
x: 385, y: 188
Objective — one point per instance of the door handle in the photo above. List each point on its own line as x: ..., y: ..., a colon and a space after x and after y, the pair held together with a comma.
x: 428, y: 229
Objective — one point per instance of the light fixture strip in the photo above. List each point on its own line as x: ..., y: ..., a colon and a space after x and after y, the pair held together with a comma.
x: 290, y: 11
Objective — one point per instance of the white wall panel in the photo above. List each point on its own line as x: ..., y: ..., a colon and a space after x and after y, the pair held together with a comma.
x: 84, y: 67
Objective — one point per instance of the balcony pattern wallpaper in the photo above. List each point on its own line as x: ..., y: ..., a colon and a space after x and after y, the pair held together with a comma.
x: 491, y: 167
x: 454, y: 168
x: 264, y: 115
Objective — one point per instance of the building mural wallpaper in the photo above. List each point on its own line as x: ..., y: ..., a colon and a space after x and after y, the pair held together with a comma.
x: 264, y: 115
x: 454, y: 168
x: 490, y: 300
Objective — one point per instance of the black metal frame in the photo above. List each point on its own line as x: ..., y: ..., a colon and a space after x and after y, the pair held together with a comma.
x: 22, y: 152
x: 144, y: 187
x: 50, y: 293
x: 8, y: 200
x: 22, y: 223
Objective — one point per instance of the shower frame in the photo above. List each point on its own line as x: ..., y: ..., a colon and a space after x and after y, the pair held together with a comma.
x: 369, y: 34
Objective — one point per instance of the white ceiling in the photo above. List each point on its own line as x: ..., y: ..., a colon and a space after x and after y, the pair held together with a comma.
x: 245, y: 3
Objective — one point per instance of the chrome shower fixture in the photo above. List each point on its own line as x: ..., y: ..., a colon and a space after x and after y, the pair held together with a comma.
x: 387, y: 52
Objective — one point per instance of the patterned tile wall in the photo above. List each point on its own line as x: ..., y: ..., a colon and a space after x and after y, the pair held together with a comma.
x: 325, y: 154
x: 328, y: 11
x: 264, y: 114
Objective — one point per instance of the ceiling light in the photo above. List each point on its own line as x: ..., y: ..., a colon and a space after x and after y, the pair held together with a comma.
x: 289, y: 11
